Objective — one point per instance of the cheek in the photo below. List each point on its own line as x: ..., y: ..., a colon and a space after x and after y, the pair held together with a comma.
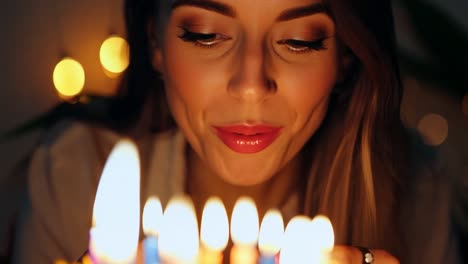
x: 307, y: 88
x: 189, y: 82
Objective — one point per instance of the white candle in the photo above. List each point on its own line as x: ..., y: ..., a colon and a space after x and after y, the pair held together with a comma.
x: 296, y: 245
x: 270, y: 237
x: 307, y: 241
x: 244, y: 232
x: 152, y: 222
x: 178, y: 239
x: 324, y: 237
x: 116, y: 212
x: 214, y: 233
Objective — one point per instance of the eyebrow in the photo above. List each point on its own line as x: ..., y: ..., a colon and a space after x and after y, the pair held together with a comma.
x: 303, y: 11
x: 208, y: 5
x: 227, y: 10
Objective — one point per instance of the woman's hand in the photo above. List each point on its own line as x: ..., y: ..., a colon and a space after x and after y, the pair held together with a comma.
x: 352, y: 255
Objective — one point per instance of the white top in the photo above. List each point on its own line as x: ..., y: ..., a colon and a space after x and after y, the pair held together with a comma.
x: 61, y: 199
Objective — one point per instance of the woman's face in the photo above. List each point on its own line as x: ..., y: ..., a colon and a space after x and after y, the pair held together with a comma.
x: 248, y: 82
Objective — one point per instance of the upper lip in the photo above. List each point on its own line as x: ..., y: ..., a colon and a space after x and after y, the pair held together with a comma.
x: 249, y: 130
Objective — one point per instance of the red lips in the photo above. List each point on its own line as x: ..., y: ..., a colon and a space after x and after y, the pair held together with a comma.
x: 246, y: 138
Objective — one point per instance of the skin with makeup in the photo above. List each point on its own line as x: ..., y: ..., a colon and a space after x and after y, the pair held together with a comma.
x: 256, y: 85
x: 294, y: 103
x: 253, y: 92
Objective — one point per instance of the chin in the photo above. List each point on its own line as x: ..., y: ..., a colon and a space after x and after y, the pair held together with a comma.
x: 244, y: 177
x: 246, y: 169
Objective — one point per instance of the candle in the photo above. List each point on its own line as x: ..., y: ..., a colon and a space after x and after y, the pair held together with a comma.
x: 307, y: 241
x: 116, y: 212
x: 270, y: 237
x: 324, y: 237
x: 178, y: 239
x: 244, y: 232
x: 296, y: 246
x: 152, y: 221
x: 214, y: 233
x: 116, y: 218
x: 86, y: 260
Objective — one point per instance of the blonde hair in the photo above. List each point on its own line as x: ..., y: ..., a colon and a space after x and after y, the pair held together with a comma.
x: 356, y: 153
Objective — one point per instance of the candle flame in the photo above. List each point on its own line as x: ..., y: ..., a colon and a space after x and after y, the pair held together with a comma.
x: 214, y: 225
x: 178, y: 239
x: 244, y: 222
x: 152, y: 216
x: 296, y: 245
x: 116, y: 212
x: 323, y: 231
x: 271, y: 233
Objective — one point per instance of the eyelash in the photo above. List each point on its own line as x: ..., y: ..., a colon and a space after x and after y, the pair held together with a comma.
x: 211, y: 40
x: 205, y: 40
x: 302, y: 46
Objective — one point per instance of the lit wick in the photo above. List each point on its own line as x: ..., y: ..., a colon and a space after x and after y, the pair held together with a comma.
x: 152, y: 221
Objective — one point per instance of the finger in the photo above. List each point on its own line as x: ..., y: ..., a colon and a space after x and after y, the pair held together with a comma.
x: 140, y: 258
x: 383, y: 257
x: 352, y: 255
x: 345, y: 255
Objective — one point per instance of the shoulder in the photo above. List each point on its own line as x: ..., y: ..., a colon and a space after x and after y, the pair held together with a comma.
x: 71, y: 154
x: 62, y: 181
x: 68, y: 158
x: 74, y: 135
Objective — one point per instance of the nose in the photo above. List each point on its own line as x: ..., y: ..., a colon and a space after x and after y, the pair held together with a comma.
x: 251, y: 79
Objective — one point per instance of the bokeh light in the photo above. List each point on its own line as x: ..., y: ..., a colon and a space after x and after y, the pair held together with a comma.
x: 68, y: 77
x: 114, y: 55
x: 433, y: 129
x: 465, y: 105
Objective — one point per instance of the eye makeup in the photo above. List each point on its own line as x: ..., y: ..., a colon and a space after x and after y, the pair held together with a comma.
x: 206, y: 40
x: 298, y: 36
x: 303, y: 35
x: 302, y: 46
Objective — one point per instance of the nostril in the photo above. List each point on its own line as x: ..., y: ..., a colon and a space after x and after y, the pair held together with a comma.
x: 271, y: 85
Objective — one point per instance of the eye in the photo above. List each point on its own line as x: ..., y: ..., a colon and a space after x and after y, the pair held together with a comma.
x: 302, y: 46
x: 206, y: 40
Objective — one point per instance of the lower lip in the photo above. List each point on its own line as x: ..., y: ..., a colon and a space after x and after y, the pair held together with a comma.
x: 247, y: 143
